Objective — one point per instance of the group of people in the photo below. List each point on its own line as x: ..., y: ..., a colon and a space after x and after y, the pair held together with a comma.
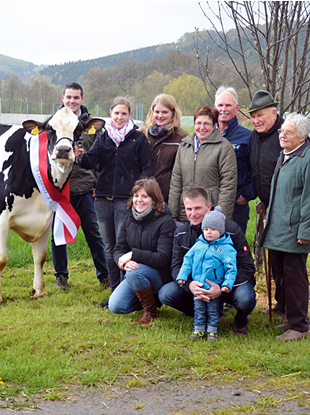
x: 173, y: 209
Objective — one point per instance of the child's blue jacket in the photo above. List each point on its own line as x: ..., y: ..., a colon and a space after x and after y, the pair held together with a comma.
x: 214, y: 260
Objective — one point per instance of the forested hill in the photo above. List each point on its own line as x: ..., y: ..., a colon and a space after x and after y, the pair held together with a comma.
x: 64, y: 73
x: 11, y: 66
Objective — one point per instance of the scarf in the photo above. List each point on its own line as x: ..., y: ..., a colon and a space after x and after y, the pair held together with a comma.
x: 118, y: 135
x: 159, y: 132
x: 140, y: 216
x: 67, y: 221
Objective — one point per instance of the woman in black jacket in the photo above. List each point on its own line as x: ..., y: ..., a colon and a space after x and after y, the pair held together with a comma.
x: 123, y: 154
x: 143, y: 250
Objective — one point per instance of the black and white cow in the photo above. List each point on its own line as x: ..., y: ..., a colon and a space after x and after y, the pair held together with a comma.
x: 22, y: 207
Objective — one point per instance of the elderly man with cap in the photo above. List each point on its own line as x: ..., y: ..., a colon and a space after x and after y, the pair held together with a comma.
x: 265, y: 150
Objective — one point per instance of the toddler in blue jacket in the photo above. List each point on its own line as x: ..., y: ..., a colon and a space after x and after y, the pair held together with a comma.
x: 212, y: 257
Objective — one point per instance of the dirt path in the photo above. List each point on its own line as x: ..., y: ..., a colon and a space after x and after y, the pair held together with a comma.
x: 176, y: 399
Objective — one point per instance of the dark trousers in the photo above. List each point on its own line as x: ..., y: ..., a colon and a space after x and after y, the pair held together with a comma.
x: 241, y: 216
x: 295, y: 284
x: 85, y: 208
x: 277, y: 275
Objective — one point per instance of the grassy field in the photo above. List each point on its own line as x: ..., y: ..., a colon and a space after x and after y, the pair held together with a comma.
x: 49, y: 344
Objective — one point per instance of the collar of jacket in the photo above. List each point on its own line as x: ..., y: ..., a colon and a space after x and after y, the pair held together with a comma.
x: 299, y: 152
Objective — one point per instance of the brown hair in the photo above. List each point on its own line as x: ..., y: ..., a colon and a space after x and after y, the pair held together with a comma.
x: 195, y: 192
x: 120, y: 101
x: 152, y: 189
x: 168, y: 102
x: 75, y: 86
x: 206, y: 110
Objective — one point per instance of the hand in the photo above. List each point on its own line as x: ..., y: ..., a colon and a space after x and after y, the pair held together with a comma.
x: 202, y: 294
x: 303, y: 241
x: 241, y: 200
x: 78, y: 151
x: 261, y: 208
x: 124, y: 259
x: 225, y: 290
x: 181, y: 282
x: 131, y: 265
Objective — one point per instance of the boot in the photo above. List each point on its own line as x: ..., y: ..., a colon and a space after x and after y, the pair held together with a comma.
x: 147, y: 301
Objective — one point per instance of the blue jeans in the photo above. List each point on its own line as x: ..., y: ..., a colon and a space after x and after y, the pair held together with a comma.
x: 84, y: 206
x: 242, y: 297
x: 123, y: 299
x: 241, y: 215
x: 110, y: 215
x: 201, y: 309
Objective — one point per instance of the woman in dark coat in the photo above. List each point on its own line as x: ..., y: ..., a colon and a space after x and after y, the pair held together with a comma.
x: 143, y: 250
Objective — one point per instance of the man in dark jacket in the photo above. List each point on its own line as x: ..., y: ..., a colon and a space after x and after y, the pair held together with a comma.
x: 226, y: 102
x: 265, y: 150
x: 82, y: 184
x: 242, y: 296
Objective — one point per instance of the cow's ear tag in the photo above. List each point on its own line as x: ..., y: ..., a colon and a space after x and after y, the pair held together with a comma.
x: 92, y: 130
x: 35, y: 131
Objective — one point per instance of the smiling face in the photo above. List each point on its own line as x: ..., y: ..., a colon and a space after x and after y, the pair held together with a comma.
x: 263, y: 119
x: 196, y: 209
x: 162, y: 115
x: 204, y: 127
x: 73, y: 99
x: 226, y: 106
x: 120, y: 115
x: 141, y: 200
x: 288, y: 137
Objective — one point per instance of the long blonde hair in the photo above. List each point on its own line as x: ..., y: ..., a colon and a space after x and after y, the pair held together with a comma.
x: 168, y: 102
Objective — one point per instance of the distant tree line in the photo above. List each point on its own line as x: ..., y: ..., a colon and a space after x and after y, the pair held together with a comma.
x: 268, y: 49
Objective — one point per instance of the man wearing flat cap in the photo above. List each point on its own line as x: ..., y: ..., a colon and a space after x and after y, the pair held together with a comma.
x: 265, y: 150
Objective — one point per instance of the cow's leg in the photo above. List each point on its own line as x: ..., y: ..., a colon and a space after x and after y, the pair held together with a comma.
x: 39, y: 249
x: 4, y: 232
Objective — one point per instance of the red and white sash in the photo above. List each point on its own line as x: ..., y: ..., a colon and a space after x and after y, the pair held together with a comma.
x: 67, y: 221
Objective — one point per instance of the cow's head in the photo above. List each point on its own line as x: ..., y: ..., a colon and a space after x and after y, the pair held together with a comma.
x: 63, y: 130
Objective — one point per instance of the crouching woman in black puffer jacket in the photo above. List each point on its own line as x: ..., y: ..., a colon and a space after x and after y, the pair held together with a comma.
x: 143, y: 250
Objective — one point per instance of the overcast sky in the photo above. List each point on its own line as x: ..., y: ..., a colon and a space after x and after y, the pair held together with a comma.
x: 50, y: 32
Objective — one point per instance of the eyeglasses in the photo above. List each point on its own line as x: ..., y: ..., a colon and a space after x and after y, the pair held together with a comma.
x: 203, y: 124
x: 285, y: 133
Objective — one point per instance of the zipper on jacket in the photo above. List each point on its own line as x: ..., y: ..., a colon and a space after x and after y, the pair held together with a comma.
x: 214, y: 270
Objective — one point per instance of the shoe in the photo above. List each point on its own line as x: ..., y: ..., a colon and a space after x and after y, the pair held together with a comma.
x: 284, y: 327
x: 62, y: 281
x: 292, y: 335
x: 196, y: 335
x: 243, y: 331
x: 104, y: 304
x: 212, y: 337
x: 104, y: 280
x: 227, y: 307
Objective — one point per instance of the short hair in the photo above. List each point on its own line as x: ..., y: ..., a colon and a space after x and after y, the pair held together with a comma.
x: 195, y: 192
x: 121, y: 101
x: 206, y: 110
x: 230, y: 89
x: 302, y: 123
x: 152, y: 189
x: 168, y: 102
x: 74, y: 85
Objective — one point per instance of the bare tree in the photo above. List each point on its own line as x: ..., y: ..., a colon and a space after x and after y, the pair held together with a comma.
x: 268, y: 48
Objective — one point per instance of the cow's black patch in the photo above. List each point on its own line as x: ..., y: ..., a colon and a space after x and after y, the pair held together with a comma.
x: 18, y: 179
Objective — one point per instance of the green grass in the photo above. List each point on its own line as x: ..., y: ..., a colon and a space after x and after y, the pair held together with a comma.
x: 50, y: 343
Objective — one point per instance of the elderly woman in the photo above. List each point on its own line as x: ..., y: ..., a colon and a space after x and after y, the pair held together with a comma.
x: 206, y: 159
x: 287, y: 230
